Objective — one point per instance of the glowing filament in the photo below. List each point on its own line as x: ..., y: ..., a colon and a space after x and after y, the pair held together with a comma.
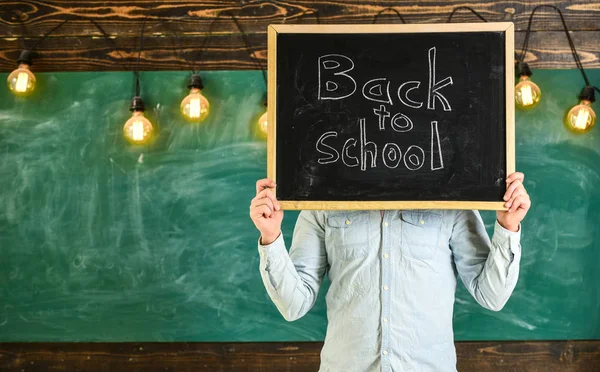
x: 582, y: 118
x: 22, y: 80
x: 195, y: 107
x: 137, y: 130
x: 526, y: 95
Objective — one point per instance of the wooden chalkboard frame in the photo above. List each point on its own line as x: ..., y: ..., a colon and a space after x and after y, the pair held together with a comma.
x: 273, y: 30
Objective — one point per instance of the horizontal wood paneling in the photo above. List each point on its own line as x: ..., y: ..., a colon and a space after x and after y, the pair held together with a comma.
x: 537, y: 356
x: 83, y: 54
x: 547, y: 50
x: 123, y: 17
x: 79, y: 46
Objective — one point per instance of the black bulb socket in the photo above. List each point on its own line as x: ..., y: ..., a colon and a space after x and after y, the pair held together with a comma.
x: 524, y: 69
x: 137, y: 104
x: 588, y: 94
x: 26, y: 57
x: 196, y: 82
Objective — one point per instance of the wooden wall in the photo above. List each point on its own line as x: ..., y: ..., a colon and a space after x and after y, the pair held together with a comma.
x: 550, y: 356
x: 78, y: 45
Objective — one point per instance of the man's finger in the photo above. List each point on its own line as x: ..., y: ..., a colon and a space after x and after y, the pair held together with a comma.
x: 522, y: 201
x: 260, y: 201
x: 511, y: 189
x: 515, y: 204
x: 263, y: 184
x: 263, y: 210
x: 518, y: 192
x: 263, y: 201
x: 517, y: 176
x: 526, y: 203
x: 268, y: 193
x: 514, y: 176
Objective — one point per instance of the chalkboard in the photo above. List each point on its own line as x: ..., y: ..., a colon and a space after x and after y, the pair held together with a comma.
x: 100, y: 241
x: 388, y: 117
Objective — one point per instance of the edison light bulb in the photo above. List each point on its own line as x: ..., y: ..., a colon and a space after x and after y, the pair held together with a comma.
x: 138, y: 130
x: 581, y: 118
x: 263, y: 124
x: 21, y: 81
x: 527, y: 93
x: 195, y: 106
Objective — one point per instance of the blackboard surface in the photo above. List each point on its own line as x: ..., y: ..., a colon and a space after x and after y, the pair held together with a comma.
x: 100, y: 243
x: 391, y: 116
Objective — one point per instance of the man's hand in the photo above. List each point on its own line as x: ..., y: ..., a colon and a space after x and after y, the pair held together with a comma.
x: 265, y: 212
x: 517, y: 201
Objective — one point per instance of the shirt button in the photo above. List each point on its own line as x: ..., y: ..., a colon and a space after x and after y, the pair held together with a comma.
x: 385, y: 288
x: 385, y: 320
x: 385, y: 352
x: 348, y: 222
x: 385, y: 224
x: 422, y: 222
x: 386, y: 255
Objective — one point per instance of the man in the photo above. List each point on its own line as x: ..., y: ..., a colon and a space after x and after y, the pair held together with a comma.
x: 393, y: 276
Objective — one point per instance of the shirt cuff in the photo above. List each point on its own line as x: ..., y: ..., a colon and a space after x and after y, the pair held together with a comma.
x: 506, y: 238
x: 273, y: 250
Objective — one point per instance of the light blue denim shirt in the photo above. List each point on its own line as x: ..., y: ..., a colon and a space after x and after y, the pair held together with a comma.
x: 393, y: 281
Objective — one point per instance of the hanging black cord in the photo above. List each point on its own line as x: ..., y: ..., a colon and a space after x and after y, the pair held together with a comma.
x: 48, y: 34
x: 465, y: 8
x: 102, y: 31
x: 206, y: 40
x: 22, y: 26
x: 136, y: 72
x: 110, y: 40
x: 245, y: 37
x: 570, y: 40
x: 106, y: 36
x: 177, y: 48
x: 385, y: 10
x: 180, y: 44
x: 247, y: 43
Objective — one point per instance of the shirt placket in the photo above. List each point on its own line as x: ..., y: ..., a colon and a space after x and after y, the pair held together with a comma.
x: 385, y: 291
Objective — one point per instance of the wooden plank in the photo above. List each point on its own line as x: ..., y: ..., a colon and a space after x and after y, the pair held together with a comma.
x: 533, y: 356
x: 374, y: 205
x: 485, y: 356
x: 510, y: 103
x: 218, y: 357
x: 551, y: 49
x: 224, y: 52
x: 395, y: 28
x: 125, y: 17
x: 160, y: 53
x: 271, y: 105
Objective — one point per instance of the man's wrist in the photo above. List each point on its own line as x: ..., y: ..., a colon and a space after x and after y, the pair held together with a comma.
x: 509, y: 227
x: 269, y: 239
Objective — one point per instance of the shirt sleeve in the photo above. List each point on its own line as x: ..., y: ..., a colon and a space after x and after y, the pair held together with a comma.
x: 488, y: 269
x: 293, y: 280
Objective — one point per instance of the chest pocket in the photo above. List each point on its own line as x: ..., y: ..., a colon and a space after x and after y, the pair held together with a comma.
x: 349, y: 234
x: 420, y: 234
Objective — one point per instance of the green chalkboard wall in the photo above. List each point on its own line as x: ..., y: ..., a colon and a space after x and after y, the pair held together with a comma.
x: 100, y: 241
